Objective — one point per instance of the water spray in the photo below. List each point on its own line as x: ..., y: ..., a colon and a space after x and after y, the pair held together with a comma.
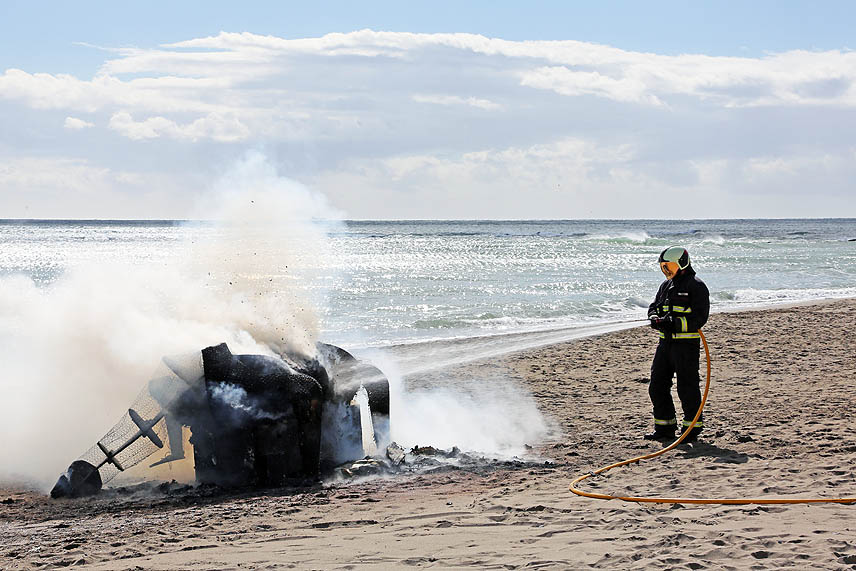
x: 366, y: 425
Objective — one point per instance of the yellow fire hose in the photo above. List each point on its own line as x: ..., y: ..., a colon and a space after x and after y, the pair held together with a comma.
x: 577, y: 491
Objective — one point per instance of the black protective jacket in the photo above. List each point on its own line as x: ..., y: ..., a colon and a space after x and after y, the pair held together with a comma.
x: 686, y: 298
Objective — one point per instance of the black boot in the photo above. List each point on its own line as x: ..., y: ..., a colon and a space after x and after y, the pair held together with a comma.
x: 661, y: 435
x: 694, y: 434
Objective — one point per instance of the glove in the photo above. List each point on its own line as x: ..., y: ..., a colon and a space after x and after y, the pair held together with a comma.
x: 664, y: 324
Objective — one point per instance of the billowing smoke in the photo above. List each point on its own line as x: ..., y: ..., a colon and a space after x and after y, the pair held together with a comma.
x: 235, y: 398
x: 477, y: 412
x: 274, y: 233
x: 76, y: 352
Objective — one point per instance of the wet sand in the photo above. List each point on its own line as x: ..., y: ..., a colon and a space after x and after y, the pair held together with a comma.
x: 778, y: 424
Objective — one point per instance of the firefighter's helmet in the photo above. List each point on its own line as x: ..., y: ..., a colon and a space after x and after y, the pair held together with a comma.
x: 673, y: 259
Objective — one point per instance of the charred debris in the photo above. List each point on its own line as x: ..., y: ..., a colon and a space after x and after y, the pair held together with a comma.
x: 253, y: 420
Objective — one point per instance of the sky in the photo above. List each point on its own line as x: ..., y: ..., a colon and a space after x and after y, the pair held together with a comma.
x: 432, y: 110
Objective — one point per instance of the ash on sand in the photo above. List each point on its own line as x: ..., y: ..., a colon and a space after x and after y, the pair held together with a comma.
x: 427, y: 460
x: 151, y: 499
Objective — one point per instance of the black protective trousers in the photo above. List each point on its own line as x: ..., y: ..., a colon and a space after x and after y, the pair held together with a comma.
x: 672, y: 357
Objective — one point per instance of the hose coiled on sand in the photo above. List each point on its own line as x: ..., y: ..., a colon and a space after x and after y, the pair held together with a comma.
x: 658, y: 500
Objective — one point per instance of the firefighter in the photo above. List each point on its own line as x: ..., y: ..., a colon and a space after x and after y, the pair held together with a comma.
x: 680, y: 309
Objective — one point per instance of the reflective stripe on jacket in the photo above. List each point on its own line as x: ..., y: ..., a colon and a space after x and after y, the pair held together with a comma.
x: 687, y: 300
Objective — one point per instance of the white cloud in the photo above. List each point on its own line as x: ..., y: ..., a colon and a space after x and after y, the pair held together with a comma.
x: 76, y: 124
x: 537, y: 165
x: 64, y: 187
x: 46, y: 91
x: 386, y: 122
x: 568, y: 82
x: 69, y: 174
x: 213, y: 126
x: 794, y: 77
x: 259, y: 81
x: 485, y: 104
x: 579, y: 178
x: 62, y: 91
x: 812, y: 174
x: 559, y: 179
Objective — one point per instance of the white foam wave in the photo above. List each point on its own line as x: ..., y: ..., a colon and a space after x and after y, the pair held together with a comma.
x: 711, y: 239
x: 634, y: 236
x: 761, y: 297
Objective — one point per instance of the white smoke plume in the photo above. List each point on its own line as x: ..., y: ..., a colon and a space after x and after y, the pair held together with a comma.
x: 75, y: 353
x: 237, y: 399
x: 478, y: 412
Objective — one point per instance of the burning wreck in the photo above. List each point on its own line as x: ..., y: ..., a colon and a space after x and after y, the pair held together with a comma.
x: 254, y: 420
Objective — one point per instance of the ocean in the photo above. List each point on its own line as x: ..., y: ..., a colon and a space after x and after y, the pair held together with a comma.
x: 383, y: 283
x: 88, y: 309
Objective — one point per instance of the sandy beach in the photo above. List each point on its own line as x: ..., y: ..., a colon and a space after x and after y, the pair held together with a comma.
x: 778, y: 424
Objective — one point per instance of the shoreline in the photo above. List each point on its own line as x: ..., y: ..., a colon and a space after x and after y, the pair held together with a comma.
x: 524, y: 332
x: 534, y: 339
x: 778, y: 423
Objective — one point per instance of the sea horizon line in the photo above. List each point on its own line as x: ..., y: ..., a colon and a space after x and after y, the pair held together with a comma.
x: 176, y: 221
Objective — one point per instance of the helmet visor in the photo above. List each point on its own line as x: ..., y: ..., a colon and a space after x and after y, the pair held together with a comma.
x: 669, y: 269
